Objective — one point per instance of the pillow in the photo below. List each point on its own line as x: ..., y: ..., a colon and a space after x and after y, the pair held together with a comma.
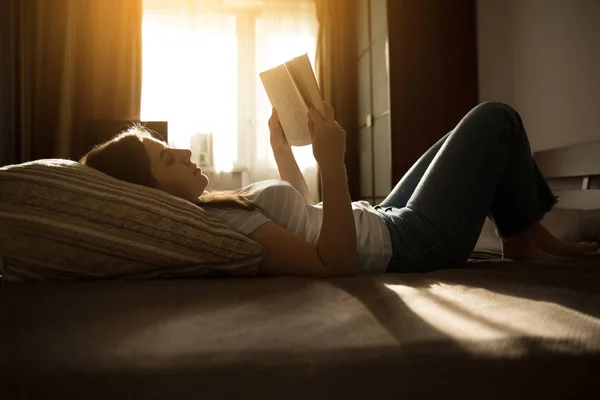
x: 62, y: 220
x: 571, y: 225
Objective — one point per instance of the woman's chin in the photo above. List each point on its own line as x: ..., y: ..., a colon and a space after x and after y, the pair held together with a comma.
x: 205, y: 179
x: 202, y: 181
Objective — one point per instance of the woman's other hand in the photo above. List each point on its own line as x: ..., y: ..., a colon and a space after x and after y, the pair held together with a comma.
x: 278, y: 140
x: 328, y: 137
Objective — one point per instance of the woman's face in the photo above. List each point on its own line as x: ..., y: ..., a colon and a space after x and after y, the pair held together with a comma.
x: 174, y: 171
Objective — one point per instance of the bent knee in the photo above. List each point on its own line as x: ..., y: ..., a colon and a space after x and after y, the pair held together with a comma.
x: 494, y: 108
x: 498, y: 114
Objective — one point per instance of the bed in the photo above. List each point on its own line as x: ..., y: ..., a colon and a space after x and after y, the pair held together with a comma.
x: 495, y: 329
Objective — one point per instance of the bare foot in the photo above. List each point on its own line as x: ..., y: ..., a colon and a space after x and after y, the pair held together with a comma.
x: 549, y: 243
x: 523, y: 249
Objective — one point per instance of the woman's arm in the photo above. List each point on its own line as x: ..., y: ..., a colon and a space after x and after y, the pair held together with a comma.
x: 290, y: 172
x: 335, y: 251
x: 337, y: 240
x: 284, y: 157
x: 288, y: 255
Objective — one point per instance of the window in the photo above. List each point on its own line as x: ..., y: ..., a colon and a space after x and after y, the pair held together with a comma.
x: 201, y: 61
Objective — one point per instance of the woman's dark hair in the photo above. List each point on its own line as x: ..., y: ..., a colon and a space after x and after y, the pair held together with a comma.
x: 124, y: 157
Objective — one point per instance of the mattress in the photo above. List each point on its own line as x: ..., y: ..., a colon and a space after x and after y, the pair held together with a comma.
x: 495, y: 329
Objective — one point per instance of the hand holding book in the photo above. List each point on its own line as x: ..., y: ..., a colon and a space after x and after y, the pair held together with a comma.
x: 278, y: 139
x: 328, y: 137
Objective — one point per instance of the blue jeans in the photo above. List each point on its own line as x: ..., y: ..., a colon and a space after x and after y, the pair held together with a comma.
x: 481, y: 168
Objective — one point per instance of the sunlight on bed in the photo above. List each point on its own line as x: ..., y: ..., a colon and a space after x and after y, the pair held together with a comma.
x: 494, y: 316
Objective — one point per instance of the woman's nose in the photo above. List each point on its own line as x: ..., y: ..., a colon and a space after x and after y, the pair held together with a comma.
x: 185, y: 154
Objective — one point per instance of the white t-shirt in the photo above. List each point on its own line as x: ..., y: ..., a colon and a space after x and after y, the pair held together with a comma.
x: 284, y: 205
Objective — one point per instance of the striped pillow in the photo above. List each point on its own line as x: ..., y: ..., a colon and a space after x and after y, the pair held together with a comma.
x: 61, y: 220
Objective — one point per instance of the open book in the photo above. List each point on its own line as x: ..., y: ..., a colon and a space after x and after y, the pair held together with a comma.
x: 292, y: 89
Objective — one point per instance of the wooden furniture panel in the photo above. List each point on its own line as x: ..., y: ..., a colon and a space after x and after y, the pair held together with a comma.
x: 378, y: 18
x: 383, y: 157
x: 362, y: 26
x: 373, y: 104
x: 364, y: 86
x: 573, y: 174
x: 380, y: 87
x: 366, y: 162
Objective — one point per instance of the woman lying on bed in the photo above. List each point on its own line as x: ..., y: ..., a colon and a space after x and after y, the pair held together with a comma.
x: 431, y: 220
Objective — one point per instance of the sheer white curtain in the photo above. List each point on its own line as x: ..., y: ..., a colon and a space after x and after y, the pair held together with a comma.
x: 201, y: 60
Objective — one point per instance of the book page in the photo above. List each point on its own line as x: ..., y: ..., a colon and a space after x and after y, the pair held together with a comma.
x: 301, y: 71
x: 288, y: 102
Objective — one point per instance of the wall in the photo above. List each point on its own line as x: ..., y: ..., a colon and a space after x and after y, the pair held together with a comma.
x: 543, y: 58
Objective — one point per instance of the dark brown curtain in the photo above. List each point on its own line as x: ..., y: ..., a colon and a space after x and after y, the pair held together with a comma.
x: 433, y: 73
x: 337, y: 71
x: 68, y: 62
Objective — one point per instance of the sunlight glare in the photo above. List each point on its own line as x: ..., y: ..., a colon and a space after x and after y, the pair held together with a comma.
x: 191, y: 79
x: 196, y: 92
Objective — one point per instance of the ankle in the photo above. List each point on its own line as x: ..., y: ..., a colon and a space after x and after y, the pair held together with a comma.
x: 523, y: 249
x: 528, y: 234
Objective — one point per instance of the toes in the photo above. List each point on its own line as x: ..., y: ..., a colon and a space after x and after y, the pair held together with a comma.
x: 590, y: 246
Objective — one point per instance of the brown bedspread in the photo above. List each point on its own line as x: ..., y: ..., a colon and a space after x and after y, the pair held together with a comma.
x: 494, y: 330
